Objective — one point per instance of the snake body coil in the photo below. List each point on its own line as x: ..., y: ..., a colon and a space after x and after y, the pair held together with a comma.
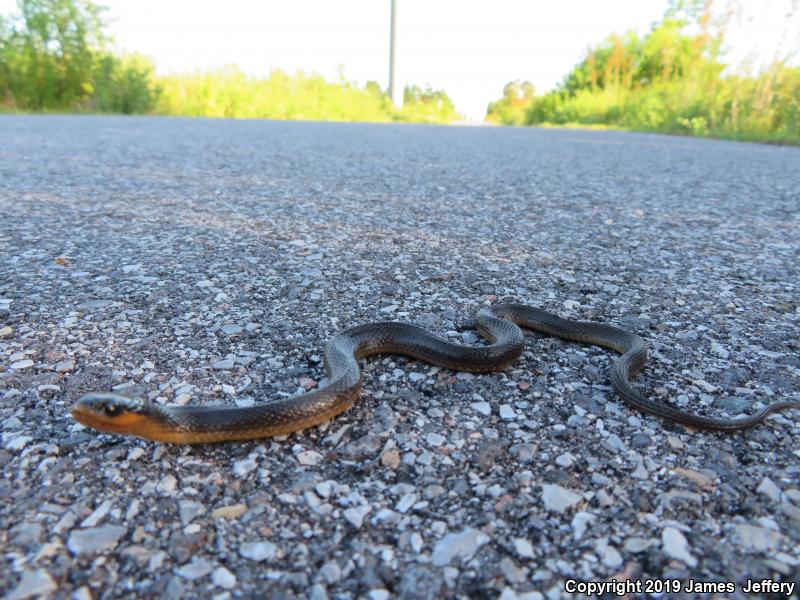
x: 499, y: 324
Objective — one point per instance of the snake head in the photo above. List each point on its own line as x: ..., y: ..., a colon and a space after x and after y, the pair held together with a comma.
x: 110, y: 412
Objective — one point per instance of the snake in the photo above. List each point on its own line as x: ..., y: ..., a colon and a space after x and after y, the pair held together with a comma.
x: 499, y: 324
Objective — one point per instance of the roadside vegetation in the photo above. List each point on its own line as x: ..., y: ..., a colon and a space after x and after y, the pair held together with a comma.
x: 55, y: 56
x: 672, y: 80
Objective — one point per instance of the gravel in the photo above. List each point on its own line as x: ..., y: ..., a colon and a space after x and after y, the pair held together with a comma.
x: 208, y: 261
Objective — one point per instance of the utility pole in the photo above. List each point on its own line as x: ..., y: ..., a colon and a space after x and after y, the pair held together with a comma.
x: 394, y: 93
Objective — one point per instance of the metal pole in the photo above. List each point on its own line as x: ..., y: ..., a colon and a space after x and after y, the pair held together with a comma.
x: 394, y: 93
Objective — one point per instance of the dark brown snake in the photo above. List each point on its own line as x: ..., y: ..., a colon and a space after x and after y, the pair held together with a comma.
x: 498, y: 324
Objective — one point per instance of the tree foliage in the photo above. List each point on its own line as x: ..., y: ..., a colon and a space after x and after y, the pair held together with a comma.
x: 671, y: 80
x: 54, y: 56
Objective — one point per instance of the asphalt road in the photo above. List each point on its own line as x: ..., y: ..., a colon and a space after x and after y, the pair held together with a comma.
x: 208, y: 261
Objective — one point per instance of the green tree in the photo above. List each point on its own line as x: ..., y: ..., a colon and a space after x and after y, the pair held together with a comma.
x: 47, y: 54
x: 512, y: 108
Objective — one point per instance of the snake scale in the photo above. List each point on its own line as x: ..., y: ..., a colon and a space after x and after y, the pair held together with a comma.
x: 499, y: 324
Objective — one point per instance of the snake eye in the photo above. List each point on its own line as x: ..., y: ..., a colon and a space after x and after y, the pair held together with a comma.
x: 112, y: 409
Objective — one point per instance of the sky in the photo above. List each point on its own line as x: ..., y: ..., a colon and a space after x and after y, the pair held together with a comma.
x: 469, y: 48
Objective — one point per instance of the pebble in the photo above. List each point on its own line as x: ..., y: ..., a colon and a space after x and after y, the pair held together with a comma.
x: 231, y: 329
x: 65, y: 366
x: 483, y: 408
x: 507, y: 412
x: 32, y: 584
x: 609, y: 555
x: 331, y: 572
x: 390, y: 459
x: 258, y: 551
x: 223, y: 578
x: 21, y: 364
x: 558, y: 499
x: 223, y: 365
x: 675, y: 546
x: 97, y: 515
x: 580, y: 522
x: 461, y: 545
x: 95, y: 540
x: 167, y: 485
x: 758, y: 539
x: 232, y: 511
x: 769, y: 489
x: 435, y: 439
x: 406, y: 502
x: 524, y: 548
x: 309, y: 458
x: 188, y: 510
x: 196, y: 569
x: 355, y: 516
x: 241, y: 468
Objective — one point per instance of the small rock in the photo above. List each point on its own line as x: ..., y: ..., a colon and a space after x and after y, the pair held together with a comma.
x: 391, y: 459
x: 435, y: 439
x: 5, y: 332
x: 355, y: 516
x: 33, y: 584
x: 97, y: 515
x: 232, y: 511
x: 524, y: 548
x: 512, y: 572
x: 258, y: 551
x: 309, y: 458
x: 482, y: 407
x: 609, y: 555
x: 565, y: 460
x: 247, y: 465
x: 703, y: 481
x: 189, y: 509
x: 331, y: 572
x: 21, y: 364
x: 638, y: 544
x: 579, y: 523
x: 65, y: 366
x: 223, y: 578
x: 223, y: 365
x: 675, y: 546
x: 559, y: 499
x: 167, y: 484
x: 769, y: 489
x: 199, y: 567
x: 507, y: 412
x: 231, y: 329
x: 406, y: 502
x: 462, y: 545
x: 18, y: 442
x: 758, y: 539
x: 95, y: 539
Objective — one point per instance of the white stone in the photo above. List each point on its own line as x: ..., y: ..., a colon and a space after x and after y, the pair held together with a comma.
x: 524, y: 548
x: 258, y: 551
x: 95, y: 539
x: 197, y: 569
x: 579, y: 523
x: 223, y: 578
x: 559, y: 499
x: 355, y: 516
x: 769, y: 489
x: 33, y: 584
x: 461, y: 545
x: 507, y: 412
x: 97, y: 515
x: 675, y: 546
x: 309, y: 458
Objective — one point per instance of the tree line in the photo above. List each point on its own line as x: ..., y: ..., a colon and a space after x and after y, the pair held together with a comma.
x: 55, y: 56
x: 671, y: 80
